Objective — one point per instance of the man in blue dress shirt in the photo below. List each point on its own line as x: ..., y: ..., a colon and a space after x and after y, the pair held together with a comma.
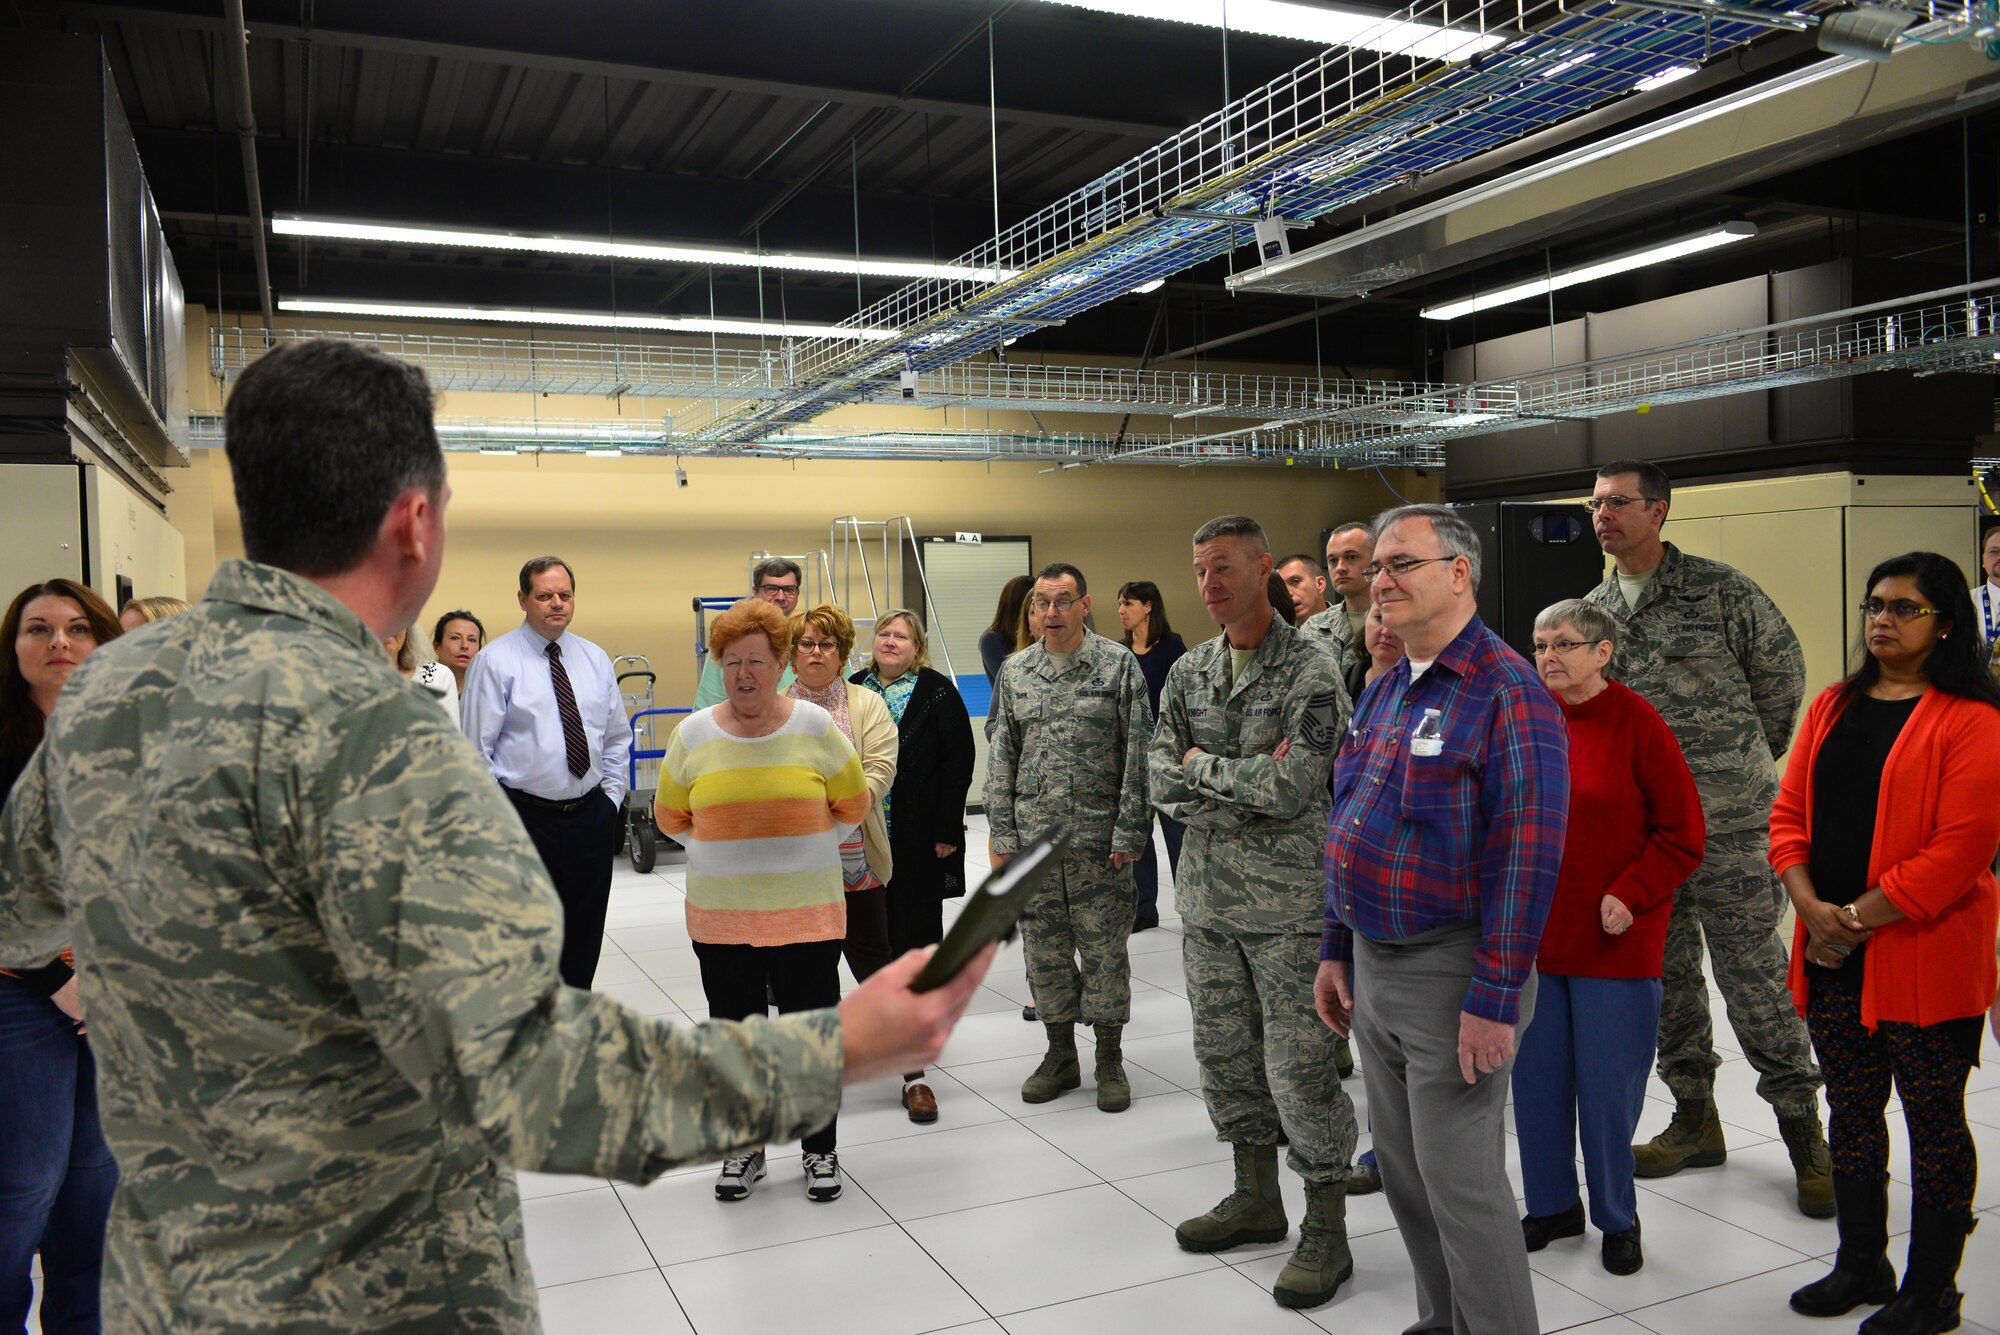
x: 542, y: 706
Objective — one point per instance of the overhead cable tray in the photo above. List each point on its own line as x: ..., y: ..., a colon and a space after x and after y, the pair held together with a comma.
x: 1343, y: 126
x: 1953, y: 330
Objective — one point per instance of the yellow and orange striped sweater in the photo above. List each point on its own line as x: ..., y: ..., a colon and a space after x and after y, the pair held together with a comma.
x: 762, y: 819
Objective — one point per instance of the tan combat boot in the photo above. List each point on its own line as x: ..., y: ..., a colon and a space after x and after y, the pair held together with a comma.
x: 1114, y: 1090
x: 1692, y: 1140
x: 1253, y: 1212
x: 1322, y: 1262
x: 1059, y: 1071
x: 1811, y: 1164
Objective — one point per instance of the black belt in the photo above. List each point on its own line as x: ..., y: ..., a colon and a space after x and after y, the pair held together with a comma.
x: 569, y: 808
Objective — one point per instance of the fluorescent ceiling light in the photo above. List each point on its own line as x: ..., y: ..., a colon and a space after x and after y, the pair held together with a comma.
x: 498, y: 449
x: 666, y: 324
x: 1670, y: 74
x: 1153, y: 285
x: 611, y: 453
x: 334, y: 229
x: 1308, y: 23
x: 1672, y: 250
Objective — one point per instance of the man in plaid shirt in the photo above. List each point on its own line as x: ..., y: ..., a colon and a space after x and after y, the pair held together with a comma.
x: 1451, y: 797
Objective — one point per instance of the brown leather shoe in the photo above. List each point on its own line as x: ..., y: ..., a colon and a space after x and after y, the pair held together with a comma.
x: 921, y: 1103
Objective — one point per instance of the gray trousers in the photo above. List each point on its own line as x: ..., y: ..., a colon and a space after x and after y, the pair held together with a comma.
x: 1438, y: 1141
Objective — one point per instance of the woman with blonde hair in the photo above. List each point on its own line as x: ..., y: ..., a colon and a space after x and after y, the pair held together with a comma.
x: 1028, y: 628
x: 822, y: 638
x: 433, y: 676
x: 925, y: 809
x: 138, y: 612
x: 762, y: 789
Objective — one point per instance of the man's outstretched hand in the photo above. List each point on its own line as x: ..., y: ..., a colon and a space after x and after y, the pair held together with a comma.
x: 889, y: 1030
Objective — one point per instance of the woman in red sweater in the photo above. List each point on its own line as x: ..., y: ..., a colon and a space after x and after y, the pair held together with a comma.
x: 1635, y: 833
x: 1883, y: 833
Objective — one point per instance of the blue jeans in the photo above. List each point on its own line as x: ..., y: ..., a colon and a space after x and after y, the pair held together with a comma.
x: 56, y: 1172
x: 1146, y: 872
x: 1581, y: 1073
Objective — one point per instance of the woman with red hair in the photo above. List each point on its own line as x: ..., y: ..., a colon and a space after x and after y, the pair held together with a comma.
x: 762, y: 789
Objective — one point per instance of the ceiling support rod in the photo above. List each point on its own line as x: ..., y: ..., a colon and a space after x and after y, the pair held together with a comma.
x: 238, y: 37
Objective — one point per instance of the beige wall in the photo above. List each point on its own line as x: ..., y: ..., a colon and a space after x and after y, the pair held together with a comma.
x: 643, y: 547
x: 133, y: 539
x: 1810, y: 542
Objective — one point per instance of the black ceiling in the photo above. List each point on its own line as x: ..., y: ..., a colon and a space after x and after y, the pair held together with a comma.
x: 793, y: 124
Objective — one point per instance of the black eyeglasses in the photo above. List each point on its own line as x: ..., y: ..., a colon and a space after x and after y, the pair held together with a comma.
x: 1398, y: 566
x: 1902, y: 611
x: 1616, y: 503
x: 1561, y: 646
x: 775, y: 590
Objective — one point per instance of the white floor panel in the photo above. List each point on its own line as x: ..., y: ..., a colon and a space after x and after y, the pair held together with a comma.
x: 1005, y: 1218
x: 873, y: 1282
x: 1052, y: 1249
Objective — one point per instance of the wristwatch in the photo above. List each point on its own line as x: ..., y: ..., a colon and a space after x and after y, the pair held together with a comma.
x: 1854, y: 915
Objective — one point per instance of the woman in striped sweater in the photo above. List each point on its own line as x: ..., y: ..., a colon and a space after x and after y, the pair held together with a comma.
x: 762, y: 789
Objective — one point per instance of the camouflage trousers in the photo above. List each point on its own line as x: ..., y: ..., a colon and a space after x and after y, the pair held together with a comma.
x: 1734, y: 901
x: 1267, y: 1060
x: 1085, y: 911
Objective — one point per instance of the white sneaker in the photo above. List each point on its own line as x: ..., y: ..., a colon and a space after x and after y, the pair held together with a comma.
x: 822, y: 1177
x: 739, y: 1175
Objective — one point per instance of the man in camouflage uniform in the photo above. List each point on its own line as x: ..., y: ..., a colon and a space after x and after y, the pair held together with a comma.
x: 1248, y: 725
x: 1349, y: 547
x: 1712, y: 652
x: 1336, y: 629
x: 316, y: 948
x: 1067, y: 746
x: 1305, y: 581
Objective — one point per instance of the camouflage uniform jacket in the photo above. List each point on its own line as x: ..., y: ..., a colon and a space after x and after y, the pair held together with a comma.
x: 1330, y: 630
x: 1712, y: 652
x: 1256, y: 824
x: 318, y: 954
x: 1067, y: 745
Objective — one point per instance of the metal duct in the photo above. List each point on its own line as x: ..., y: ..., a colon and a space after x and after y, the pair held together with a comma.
x: 238, y: 37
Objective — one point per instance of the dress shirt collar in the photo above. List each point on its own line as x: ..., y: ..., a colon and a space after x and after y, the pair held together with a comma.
x: 532, y: 640
x: 1463, y: 657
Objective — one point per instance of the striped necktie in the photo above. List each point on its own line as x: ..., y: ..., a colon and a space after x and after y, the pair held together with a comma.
x: 576, y: 750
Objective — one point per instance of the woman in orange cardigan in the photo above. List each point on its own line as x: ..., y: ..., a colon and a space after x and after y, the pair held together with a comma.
x: 1883, y: 833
